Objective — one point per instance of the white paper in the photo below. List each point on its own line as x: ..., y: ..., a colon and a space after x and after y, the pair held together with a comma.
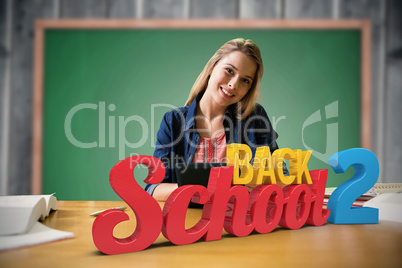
x: 389, y: 205
x: 38, y: 234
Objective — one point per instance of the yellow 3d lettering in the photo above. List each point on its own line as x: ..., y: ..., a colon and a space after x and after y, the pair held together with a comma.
x: 267, y: 168
x: 303, y: 175
x: 239, y: 156
x: 279, y: 155
x: 263, y: 170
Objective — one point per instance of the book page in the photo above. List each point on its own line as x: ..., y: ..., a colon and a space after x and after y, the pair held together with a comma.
x: 20, y: 212
x: 38, y: 234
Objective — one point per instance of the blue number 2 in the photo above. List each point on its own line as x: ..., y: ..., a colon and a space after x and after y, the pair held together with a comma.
x: 366, y: 168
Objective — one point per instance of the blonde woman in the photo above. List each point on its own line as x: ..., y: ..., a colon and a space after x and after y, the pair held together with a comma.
x: 221, y: 109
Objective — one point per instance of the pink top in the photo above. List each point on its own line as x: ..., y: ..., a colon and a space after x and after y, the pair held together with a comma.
x: 211, y: 150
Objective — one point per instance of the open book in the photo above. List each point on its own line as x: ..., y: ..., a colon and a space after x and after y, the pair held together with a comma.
x: 20, y: 212
x: 19, y: 221
x: 376, y: 190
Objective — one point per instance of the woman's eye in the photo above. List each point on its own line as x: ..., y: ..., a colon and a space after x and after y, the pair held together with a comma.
x: 246, y: 81
x: 229, y: 70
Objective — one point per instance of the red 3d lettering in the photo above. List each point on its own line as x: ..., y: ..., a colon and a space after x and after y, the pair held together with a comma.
x: 225, y: 207
x: 146, y: 209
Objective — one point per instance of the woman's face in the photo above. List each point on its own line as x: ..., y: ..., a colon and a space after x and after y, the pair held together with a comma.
x: 231, y: 78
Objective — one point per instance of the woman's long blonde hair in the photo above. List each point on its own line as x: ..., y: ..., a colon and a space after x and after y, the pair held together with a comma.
x: 249, y: 48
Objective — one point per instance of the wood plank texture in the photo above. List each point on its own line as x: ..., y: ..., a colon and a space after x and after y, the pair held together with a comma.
x: 371, y: 9
x: 214, y: 9
x: 318, y: 9
x: 368, y: 245
x: 4, y: 54
x: 83, y: 8
x: 121, y: 8
x: 164, y: 9
x: 24, y: 14
x: 253, y: 9
x: 393, y: 123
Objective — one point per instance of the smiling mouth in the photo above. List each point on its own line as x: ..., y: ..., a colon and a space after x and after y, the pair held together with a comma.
x: 227, y: 93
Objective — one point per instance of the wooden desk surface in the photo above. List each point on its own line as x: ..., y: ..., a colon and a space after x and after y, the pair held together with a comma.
x: 369, y: 245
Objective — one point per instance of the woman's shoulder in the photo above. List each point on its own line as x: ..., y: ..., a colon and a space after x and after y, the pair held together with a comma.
x: 259, y: 107
x: 258, y: 110
x: 177, y: 113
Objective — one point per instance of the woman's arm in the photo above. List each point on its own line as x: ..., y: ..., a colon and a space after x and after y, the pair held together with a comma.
x: 163, y: 151
x: 163, y: 191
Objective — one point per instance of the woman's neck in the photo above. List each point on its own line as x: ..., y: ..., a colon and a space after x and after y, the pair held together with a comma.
x: 209, y: 118
x: 209, y: 109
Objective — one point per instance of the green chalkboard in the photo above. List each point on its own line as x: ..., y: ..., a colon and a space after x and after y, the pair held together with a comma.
x: 105, y: 92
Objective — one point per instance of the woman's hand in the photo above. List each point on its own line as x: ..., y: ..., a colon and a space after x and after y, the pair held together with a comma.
x: 163, y: 191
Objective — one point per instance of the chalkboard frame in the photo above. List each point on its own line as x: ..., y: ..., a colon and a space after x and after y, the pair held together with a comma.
x: 364, y: 26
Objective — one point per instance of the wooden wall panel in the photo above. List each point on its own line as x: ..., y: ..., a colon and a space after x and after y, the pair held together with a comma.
x: 258, y: 9
x: 83, y: 8
x: 3, y: 58
x: 222, y: 9
x: 393, y: 96
x: 3, y: 53
x: 164, y: 9
x: 121, y: 9
x: 314, y: 9
x: 24, y: 14
x: 373, y: 10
